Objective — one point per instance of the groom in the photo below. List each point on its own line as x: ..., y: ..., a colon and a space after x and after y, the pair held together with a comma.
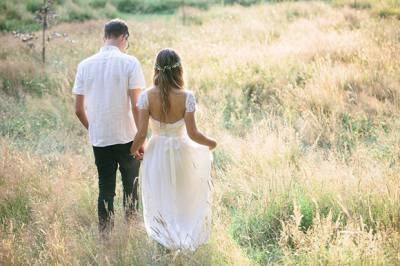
x: 107, y: 86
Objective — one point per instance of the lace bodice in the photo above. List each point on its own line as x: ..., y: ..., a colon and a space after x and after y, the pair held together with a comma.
x: 175, y: 129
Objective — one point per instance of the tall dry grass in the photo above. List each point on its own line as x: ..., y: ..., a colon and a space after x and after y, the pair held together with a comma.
x: 304, y: 100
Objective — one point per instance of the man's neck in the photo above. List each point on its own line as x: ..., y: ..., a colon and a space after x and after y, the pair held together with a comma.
x: 111, y: 43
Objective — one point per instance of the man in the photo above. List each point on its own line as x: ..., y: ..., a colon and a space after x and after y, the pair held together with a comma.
x: 108, y: 84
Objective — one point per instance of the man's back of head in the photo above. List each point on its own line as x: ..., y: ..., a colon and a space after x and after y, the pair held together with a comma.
x: 116, y: 32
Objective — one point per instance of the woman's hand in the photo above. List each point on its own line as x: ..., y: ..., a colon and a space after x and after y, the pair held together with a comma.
x: 139, y: 153
x: 212, y: 144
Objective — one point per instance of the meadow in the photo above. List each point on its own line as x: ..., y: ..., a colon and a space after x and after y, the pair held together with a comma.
x: 303, y: 98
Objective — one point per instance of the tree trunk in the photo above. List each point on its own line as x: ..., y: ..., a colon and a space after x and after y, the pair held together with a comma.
x: 44, y: 31
x: 183, y: 13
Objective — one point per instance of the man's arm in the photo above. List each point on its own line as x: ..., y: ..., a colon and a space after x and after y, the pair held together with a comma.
x: 134, y: 96
x: 136, y: 83
x: 80, y: 110
x: 140, y: 138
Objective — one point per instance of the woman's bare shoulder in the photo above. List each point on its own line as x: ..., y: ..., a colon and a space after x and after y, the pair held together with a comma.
x: 152, y: 90
x: 179, y: 92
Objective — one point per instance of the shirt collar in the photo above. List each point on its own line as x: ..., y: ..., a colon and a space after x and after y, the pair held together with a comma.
x: 107, y: 48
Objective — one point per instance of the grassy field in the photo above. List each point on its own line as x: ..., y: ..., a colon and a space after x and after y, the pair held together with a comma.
x: 303, y: 98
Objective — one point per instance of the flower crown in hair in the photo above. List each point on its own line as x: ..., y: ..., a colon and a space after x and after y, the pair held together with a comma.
x: 167, y: 66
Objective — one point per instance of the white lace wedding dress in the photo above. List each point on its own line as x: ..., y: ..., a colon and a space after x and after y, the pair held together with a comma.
x: 176, y: 183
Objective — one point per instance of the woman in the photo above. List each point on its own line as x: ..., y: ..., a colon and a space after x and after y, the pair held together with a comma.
x: 175, y: 172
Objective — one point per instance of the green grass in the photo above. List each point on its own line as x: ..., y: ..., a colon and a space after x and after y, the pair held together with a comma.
x: 257, y: 228
x: 37, y: 85
x: 16, y: 209
x: 258, y: 231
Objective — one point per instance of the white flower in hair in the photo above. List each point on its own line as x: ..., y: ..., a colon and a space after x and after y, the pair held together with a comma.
x: 167, y: 66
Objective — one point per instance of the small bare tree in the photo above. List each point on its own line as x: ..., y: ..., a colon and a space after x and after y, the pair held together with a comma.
x: 45, y: 16
x: 183, y: 12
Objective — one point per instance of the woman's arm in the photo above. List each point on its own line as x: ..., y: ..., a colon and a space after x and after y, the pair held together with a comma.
x: 195, y: 134
x: 141, y: 134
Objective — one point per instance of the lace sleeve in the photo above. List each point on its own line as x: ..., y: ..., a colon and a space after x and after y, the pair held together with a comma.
x: 143, y: 101
x: 190, y: 102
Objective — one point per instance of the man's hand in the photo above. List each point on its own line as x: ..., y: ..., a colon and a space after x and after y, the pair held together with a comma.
x: 138, y: 154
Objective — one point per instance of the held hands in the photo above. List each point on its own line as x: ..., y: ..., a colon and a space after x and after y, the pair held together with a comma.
x: 138, y: 154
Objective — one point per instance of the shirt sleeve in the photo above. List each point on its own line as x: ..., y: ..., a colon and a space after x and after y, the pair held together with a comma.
x: 143, y: 101
x: 79, y: 84
x: 136, y: 77
x: 190, y: 102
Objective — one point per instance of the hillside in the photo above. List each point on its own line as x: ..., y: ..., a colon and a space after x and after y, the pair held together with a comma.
x: 21, y: 15
x: 303, y: 98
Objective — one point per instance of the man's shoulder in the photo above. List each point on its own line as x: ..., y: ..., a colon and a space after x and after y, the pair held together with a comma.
x: 127, y: 59
x: 131, y: 59
x: 88, y: 60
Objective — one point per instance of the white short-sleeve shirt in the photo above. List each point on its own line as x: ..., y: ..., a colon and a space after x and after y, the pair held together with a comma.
x: 105, y: 79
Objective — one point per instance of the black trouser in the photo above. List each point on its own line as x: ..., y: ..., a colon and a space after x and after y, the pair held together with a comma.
x: 107, y: 161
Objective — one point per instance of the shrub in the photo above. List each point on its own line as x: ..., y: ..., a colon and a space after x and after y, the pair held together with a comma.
x: 353, y: 130
x: 158, y: 6
x: 33, y: 5
x: 79, y: 15
x: 242, y: 2
x: 361, y: 5
x: 155, y: 6
x: 130, y: 6
x: 98, y: 3
x: 389, y: 12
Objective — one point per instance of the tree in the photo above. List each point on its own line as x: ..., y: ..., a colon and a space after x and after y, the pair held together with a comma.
x: 183, y: 12
x: 45, y: 15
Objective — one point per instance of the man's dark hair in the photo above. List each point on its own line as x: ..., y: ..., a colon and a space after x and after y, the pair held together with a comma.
x: 115, y: 28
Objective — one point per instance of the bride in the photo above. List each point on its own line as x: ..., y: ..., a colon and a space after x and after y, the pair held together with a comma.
x: 175, y: 171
